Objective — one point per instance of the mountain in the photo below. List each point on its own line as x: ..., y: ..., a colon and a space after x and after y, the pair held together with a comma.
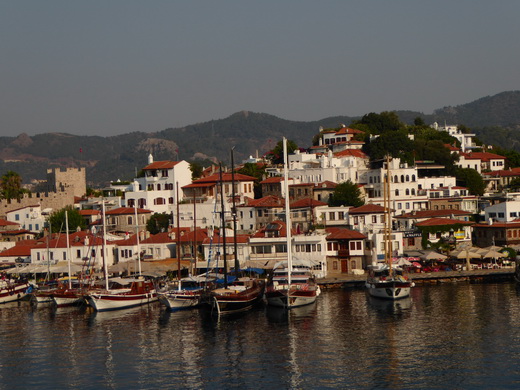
x: 120, y: 157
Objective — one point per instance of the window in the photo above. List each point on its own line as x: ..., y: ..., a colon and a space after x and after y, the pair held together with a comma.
x: 78, y: 253
x: 16, y: 217
x: 280, y: 248
x: 129, y: 221
x: 335, y: 265
x: 332, y: 216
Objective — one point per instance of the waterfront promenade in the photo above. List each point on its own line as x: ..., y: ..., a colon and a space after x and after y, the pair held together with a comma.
x: 474, y: 276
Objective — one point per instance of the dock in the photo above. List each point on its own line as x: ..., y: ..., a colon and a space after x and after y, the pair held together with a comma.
x: 474, y: 276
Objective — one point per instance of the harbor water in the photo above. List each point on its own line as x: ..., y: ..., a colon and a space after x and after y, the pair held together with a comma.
x: 454, y: 335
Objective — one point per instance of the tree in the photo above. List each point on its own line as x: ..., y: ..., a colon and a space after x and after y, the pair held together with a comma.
x: 380, y: 123
x: 346, y: 194
x: 75, y: 219
x: 471, y: 179
x: 396, y: 144
x: 11, y: 186
x: 196, y: 170
x: 277, y: 153
x: 158, y: 222
x: 419, y: 122
x: 258, y: 172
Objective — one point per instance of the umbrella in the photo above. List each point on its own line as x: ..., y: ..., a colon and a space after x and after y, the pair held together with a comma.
x: 464, y: 253
x: 416, y: 264
x: 401, y: 261
x: 433, y: 256
x: 493, y: 254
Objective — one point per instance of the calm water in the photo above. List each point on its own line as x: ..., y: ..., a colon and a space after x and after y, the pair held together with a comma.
x: 457, y: 336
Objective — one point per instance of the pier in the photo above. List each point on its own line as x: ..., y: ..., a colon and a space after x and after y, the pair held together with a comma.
x: 474, y: 276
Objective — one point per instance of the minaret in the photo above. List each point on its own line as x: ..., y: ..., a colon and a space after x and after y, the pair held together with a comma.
x: 150, y: 158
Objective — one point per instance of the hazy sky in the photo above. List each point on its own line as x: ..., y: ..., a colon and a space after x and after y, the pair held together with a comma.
x: 113, y: 67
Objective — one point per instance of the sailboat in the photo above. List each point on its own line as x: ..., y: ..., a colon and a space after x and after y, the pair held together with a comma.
x: 243, y: 292
x: 385, y: 280
x: 66, y: 294
x: 187, y: 293
x: 12, y: 290
x: 121, y: 293
x: 292, y: 283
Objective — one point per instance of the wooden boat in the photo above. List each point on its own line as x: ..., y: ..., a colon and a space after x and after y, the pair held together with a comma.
x: 11, y: 290
x: 124, y: 293
x: 242, y: 293
x: 290, y: 285
x: 385, y: 280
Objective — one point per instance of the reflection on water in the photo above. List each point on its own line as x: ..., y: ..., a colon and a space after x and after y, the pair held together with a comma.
x: 450, y: 336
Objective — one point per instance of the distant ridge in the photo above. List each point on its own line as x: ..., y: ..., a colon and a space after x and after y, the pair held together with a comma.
x: 495, y: 119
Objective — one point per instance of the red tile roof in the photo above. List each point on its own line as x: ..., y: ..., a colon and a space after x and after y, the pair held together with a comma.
x: 161, y: 165
x: 307, y: 202
x: 4, y: 222
x: 266, y: 201
x: 274, y: 179
x: 343, y: 234
x: 351, y: 152
x: 483, y: 156
x: 21, y: 208
x: 367, y: 209
x: 326, y: 184
x: 127, y: 210
x: 89, y: 212
x: 504, y: 173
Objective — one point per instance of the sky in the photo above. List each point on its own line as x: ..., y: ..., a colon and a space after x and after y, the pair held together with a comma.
x: 113, y: 67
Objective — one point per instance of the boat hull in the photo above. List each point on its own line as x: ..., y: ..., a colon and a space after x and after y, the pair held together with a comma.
x: 106, y: 302
x: 227, y: 301
x: 68, y: 298
x: 290, y: 299
x: 13, y: 292
x: 178, y: 301
x: 389, y: 290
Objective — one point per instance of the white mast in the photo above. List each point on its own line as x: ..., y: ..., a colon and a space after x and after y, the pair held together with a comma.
x: 105, y: 266
x: 287, y: 214
x: 138, y: 243
x: 68, y: 244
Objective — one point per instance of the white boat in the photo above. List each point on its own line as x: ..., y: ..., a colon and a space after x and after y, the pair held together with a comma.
x: 292, y: 284
x: 185, y: 295
x: 385, y: 280
x: 11, y: 290
x: 388, y: 282
x: 131, y: 292
x: 302, y: 290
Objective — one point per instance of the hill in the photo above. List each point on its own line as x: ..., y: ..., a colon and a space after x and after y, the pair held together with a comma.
x: 495, y: 119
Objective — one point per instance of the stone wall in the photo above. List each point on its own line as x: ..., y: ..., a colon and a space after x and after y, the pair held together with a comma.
x: 53, y: 200
x: 73, y: 179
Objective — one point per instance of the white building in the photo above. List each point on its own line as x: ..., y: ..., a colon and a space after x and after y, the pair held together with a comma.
x: 503, y: 212
x: 156, y: 191
x: 29, y: 218
x: 465, y: 139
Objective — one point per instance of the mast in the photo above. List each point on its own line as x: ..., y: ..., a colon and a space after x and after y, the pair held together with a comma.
x: 105, y: 266
x: 287, y: 214
x: 223, y: 223
x: 178, y: 237
x: 234, y: 213
x: 137, y: 235
x: 68, y: 244
x: 388, y: 222
x: 194, y: 254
